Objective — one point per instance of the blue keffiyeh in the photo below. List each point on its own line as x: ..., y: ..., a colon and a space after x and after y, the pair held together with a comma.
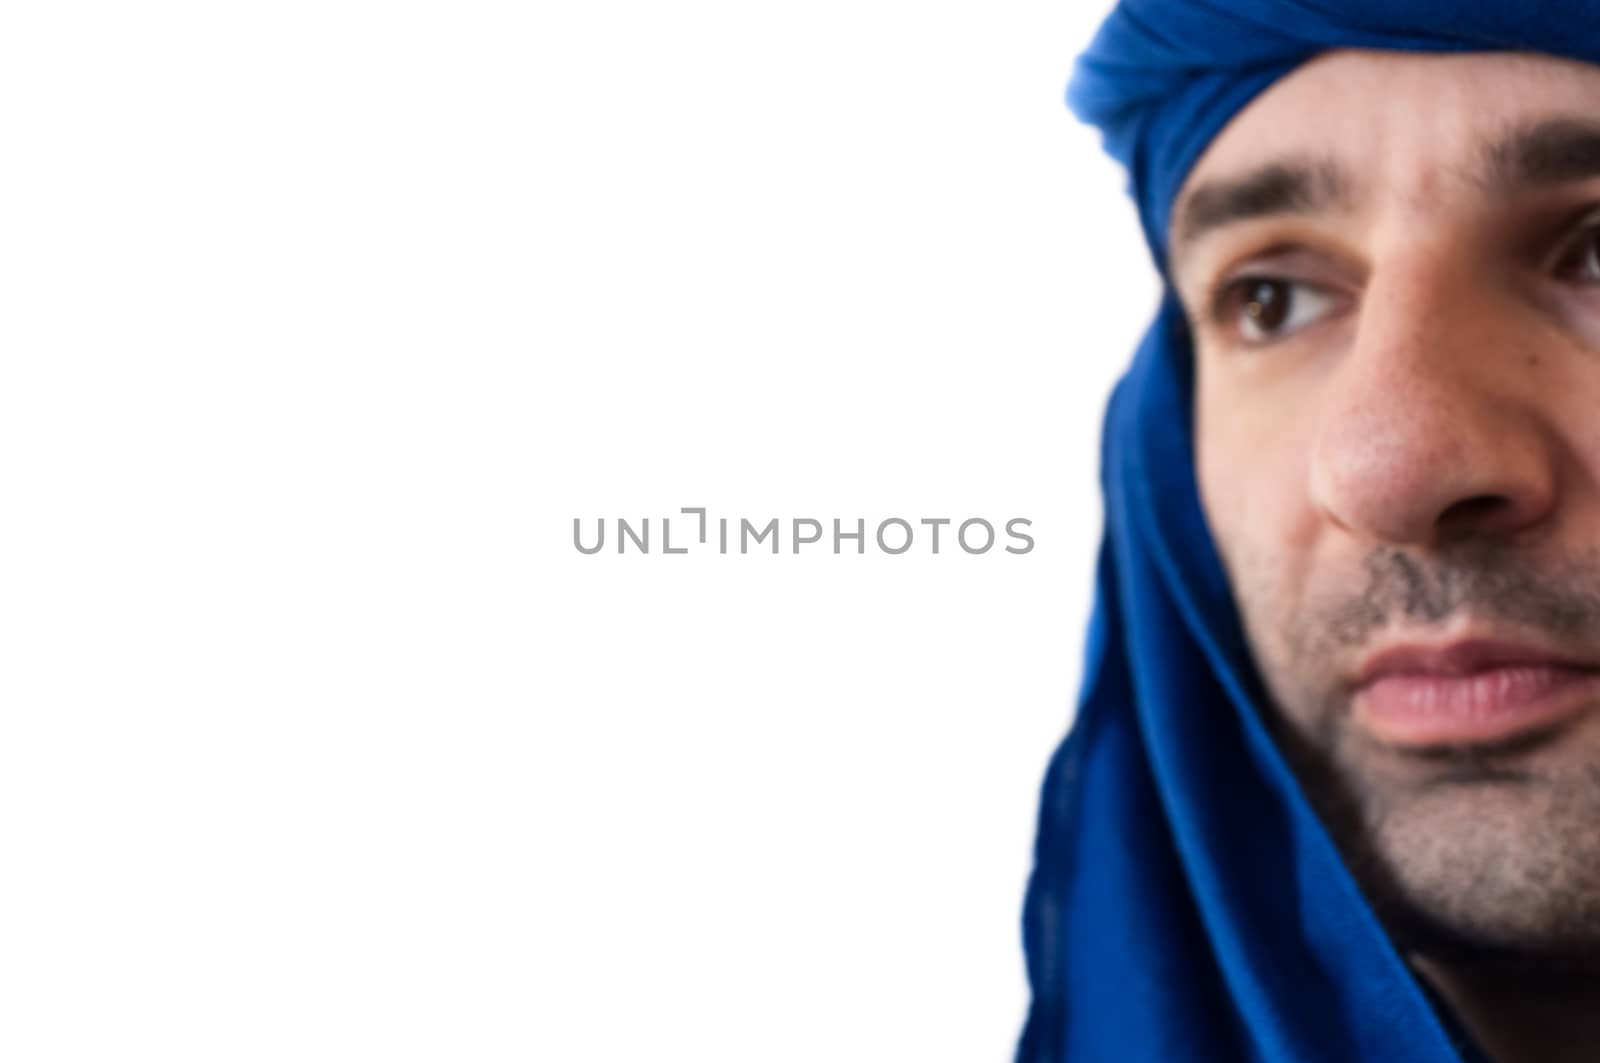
x: 1186, y: 903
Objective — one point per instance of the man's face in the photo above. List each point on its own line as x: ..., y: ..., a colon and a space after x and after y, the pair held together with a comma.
x: 1391, y: 268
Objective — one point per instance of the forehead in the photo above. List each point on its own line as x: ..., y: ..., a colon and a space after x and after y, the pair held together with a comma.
x: 1410, y: 127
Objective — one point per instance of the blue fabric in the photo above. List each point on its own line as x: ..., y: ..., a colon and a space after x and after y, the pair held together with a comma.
x: 1186, y: 903
x: 1162, y: 77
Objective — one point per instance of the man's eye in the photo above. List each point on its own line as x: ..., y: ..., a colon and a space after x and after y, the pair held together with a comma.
x: 1582, y: 261
x: 1263, y: 309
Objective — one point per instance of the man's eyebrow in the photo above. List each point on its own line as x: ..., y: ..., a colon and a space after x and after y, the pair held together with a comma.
x: 1552, y: 151
x: 1284, y: 186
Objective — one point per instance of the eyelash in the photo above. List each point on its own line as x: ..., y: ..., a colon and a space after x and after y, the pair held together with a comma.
x: 1228, y: 301
x: 1584, y: 239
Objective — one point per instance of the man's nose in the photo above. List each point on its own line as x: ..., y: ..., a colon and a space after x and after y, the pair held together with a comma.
x: 1429, y: 435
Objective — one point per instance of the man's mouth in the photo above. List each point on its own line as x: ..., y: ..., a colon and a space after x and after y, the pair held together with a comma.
x: 1469, y: 692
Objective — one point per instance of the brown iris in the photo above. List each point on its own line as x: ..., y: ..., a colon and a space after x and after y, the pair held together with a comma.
x: 1266, y: 304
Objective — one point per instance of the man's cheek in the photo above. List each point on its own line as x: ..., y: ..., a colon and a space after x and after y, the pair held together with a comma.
x: 1275, y: 553
x: 1247, y: 507
x: 1221, y: 493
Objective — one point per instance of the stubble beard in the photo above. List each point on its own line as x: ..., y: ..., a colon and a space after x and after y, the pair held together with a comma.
x: 1485, y: 856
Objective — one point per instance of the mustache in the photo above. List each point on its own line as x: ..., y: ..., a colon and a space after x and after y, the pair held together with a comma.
x: 1560, y: 599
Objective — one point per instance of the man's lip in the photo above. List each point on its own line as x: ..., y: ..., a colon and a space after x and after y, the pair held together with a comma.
x: 1461, y: 658
x: 1470, y: 691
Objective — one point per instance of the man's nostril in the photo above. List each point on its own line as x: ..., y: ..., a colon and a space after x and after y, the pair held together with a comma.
x: 1472, y: 512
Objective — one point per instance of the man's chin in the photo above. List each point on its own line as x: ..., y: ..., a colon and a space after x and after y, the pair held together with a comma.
x: 1499, y: 867
x: 1487, y: 852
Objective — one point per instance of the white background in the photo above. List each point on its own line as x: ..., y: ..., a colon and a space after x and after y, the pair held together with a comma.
x: 319, y: 324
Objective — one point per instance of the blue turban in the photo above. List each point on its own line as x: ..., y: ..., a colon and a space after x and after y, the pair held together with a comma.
x: 1186, y: 903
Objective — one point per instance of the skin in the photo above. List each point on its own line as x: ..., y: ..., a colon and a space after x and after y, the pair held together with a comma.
x: 1413, y: 450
